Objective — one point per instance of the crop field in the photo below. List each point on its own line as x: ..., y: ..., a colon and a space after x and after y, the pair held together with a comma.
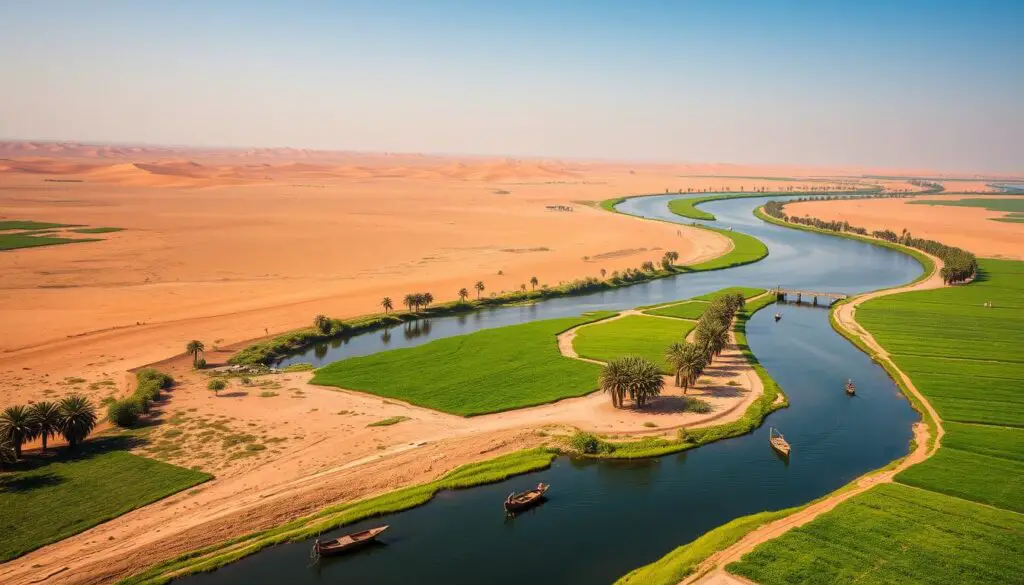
x: 985, y: 439
x: 21, y: 224
x: 748, y: 293
x: 66, y: 495
x: 486, y: 371
x: 691, y: 310
x: 631, y: 335
x: 1014, y: 207
x: 894, y: 534
x: 996, y: 481
x: 16, y: 241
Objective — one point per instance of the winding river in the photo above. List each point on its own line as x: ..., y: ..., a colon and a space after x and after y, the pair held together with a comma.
x: 605, y: 518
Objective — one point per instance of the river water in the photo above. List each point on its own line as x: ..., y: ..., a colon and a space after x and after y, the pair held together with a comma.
x: 603, y: 519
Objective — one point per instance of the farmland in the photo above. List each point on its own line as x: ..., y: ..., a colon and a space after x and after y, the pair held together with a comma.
x: 747, y: 291
x: 55, y: 498
x: 16, y: 234
x: 691, y: 310
x: 473, y: 374
x: 631, y: 335
x: 894, y: 534
x: 1013, y: 207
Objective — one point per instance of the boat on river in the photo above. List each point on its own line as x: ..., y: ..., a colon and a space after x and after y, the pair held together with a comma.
x: 850, y: 388
x: 777, y: 317
x: 523, y: 500
x: 347, y: 543
x: 778, y: 441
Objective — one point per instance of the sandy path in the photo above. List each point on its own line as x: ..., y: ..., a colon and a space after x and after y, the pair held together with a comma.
x: 712, y: 571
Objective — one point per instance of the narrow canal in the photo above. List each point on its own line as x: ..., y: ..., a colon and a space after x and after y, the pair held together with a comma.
x: 603, y: 519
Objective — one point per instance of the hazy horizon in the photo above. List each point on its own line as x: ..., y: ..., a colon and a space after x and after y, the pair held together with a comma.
x: 920, y: 85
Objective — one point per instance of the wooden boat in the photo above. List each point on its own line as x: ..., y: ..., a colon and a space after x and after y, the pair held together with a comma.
x: 850, y: 388
x: 523, y: 500
x: 777, y: 317
x: 347, y: 543
x: 778, y: 441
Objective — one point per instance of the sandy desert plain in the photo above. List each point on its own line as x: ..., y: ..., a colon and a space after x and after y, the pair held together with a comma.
x: 231, y: 247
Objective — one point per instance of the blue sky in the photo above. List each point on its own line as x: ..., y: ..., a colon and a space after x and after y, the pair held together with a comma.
x: 897, y: 84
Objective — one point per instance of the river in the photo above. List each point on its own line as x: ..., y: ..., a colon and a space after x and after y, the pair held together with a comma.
x: 605, y: 518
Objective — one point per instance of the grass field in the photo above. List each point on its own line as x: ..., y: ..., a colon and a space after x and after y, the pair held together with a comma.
x: 631, y: 335
x: 996, y: 481
x: 748, y: 293
x: 19, y: 224
x: 56, y: 498
x: 17, y: 241
x: 894, y: 534
x: 487, y: 371
x: 34, y: 234
x: 689, y: 310
x: 746, y: 249
x: 97, y: 230
x: 687, y: 206
x: 218, y: 555
x: 1013, y: 207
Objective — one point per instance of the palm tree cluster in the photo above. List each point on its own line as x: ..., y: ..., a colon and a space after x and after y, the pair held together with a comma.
x: 416, y: 301
x: 323, y: 324
x: 711, y: 336
x: 959, y: 264
x: 74, y: 417
x: 669, y: 259
x: 631, y: 376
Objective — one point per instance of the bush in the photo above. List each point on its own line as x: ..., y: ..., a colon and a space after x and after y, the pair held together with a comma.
x: 697, y: 405
x: 200, y: 363
x: 588, y: 444
x: 124, y: 413
x: 217, y: 385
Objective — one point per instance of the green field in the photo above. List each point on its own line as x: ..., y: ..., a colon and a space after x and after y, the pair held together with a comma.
x: 1013, y: 207
x: 98, y: 230
x: 18, y: 224
x: 16, y: 241
x: 894, y: 534
x: 487, y: 371
x: 631, y: 335
x: 955, y: 518
x: 63, y: 496
x: 746, y: 249
x: 34, y: 234
x: 689, y: 310
x: 747, y: 291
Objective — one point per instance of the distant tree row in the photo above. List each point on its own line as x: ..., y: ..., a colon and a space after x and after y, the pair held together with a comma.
x: 959, y: 264
x: 73, y: 418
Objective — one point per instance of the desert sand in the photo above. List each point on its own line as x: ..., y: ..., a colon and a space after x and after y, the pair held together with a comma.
x: 969, y: 228
x: 230, y: 246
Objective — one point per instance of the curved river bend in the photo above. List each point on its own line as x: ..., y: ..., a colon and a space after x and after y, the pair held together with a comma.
x: 605, y: 518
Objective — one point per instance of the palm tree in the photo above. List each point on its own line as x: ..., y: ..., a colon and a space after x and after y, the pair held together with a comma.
x: 16, y: 425
x: 479, y: 286
x: 635, y: 376
x: 687, y: 361
x: 7, y: 456
x: 46, y: 419
x: 195, y: 348
x: 409, y: 301
x: 78, y: 418
x: 533, y: 283
x: 603, y: 272
x: 427, y: 299
x: 712, y: 339
x: 387, y: 304
x: 463, y: 293
x: 322, y: 324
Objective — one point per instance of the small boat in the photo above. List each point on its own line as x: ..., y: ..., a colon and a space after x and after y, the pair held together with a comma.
x: 850, y: 388
x: 778, y: 441
x: 777, y: 317
x: 347, y: 543
x: 523, y: 500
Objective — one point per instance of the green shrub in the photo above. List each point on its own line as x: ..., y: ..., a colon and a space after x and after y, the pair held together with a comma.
x: 697, y: 405
x: 588, y: 444
x: 123, y: 413
x: 217, y: 385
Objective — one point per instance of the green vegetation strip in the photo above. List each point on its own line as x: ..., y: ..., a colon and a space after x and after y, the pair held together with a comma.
x: 15, y: 224
x: 218, y: 555
x: 487, y: 371
x: 687, y: 206
x: 56, y: 497
x: 638, y: 335
x: 1013, y: 206
x: 98, y: 230
x: 688, y: 439
x: 894, y: 534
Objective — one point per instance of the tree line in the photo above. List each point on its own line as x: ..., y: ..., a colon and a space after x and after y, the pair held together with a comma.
x: 640, y: 379
x: 73, y: 418
x: 959, y: 264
